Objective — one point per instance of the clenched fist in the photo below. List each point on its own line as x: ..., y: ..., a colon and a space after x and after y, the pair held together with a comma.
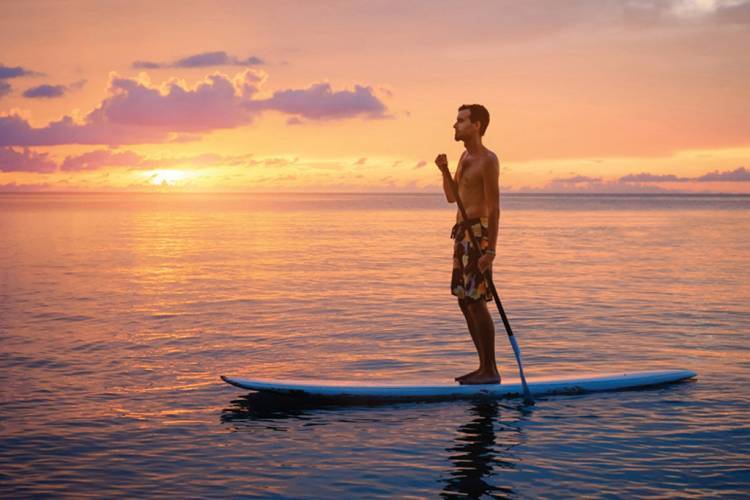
x: 442, y: 163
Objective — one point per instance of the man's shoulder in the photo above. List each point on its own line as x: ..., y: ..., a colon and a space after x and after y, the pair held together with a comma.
x: 491, y: 156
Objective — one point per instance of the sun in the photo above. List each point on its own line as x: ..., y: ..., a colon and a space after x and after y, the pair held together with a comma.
x: 166, y: 177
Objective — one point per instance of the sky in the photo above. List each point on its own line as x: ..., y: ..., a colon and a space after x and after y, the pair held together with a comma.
x: 241, y: 96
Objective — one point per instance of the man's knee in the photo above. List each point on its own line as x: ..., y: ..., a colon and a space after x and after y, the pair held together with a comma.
x: 476, y: 306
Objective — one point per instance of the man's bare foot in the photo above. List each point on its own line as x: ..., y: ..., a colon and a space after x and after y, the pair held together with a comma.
x: 462, y: 377
x: 481, y: 378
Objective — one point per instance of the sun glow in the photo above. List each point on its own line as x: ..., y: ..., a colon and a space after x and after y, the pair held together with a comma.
x: 166, y: 177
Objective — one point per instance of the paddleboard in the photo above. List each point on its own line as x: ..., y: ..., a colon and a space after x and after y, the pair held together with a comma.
x: 538, y: 386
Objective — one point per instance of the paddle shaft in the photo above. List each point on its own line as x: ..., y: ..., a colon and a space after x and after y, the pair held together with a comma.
x: 493, y: 290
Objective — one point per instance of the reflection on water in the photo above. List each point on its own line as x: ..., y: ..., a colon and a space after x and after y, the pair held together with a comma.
x: 482, y: 450
x: 264, y: 407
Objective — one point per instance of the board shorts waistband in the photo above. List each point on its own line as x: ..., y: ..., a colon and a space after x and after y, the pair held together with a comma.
x: 458, y: 232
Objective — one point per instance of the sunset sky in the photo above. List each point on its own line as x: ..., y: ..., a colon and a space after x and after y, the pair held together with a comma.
x: 584, y: 95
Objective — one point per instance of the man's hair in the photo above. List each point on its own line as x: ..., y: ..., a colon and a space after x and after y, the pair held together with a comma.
x: 478, y: 113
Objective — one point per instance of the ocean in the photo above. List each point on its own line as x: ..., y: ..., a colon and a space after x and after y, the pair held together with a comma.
x: 119, y: 312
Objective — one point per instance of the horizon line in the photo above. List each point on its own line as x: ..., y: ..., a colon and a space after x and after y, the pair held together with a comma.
x: 401, y: 193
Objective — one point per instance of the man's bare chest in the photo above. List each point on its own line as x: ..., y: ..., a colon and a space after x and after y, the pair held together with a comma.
x: 470, y: 175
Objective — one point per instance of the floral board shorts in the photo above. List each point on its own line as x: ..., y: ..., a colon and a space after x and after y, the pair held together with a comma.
x: 467, y: 282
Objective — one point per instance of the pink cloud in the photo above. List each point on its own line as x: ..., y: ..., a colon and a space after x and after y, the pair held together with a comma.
x: 94, y: 160
x: 25, y: 160
x: 646, y: 177
x: 584, y: 184
x: 636, y: 183
x: 45, y: 91
x: 16, y: 71
x: 202, y: 60
x: 740, y: 174
x: 15, y: 130
x: 13, y: 187
x: 48, y: 91
x: 136, y: 112
x: 214, y: 103
x: 321, y: 102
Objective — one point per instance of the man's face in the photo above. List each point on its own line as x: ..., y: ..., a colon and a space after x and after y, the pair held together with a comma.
x: 463, y: 127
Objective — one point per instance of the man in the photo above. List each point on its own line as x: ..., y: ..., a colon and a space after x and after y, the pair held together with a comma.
x: 477, y: 177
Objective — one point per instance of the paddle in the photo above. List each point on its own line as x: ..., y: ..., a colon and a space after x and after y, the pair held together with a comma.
x: 527, y: 399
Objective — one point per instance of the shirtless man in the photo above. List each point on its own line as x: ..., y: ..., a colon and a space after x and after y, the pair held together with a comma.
x: 477, y: 177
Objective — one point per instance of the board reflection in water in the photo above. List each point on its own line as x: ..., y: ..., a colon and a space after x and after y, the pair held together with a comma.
x: 476, y: 463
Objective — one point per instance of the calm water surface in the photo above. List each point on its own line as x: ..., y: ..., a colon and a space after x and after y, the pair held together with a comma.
x: 118, y: 313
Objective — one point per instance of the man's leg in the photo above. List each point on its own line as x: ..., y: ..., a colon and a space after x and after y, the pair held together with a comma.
x: 472, y: 324
x: 485, y: 329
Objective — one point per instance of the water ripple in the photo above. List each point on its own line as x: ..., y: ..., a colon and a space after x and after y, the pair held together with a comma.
x: 117, y: 315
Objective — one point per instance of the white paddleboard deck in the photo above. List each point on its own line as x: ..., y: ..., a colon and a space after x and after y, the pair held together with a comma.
x: 538, y: 386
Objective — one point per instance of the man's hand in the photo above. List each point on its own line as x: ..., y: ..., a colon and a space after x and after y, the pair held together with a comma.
x: 442, y: 163
x: 485, y: 262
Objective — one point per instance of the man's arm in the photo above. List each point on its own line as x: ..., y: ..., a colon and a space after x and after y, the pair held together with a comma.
x: 442, y: 162
x: 447, y: 189
x: 491, y: 182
